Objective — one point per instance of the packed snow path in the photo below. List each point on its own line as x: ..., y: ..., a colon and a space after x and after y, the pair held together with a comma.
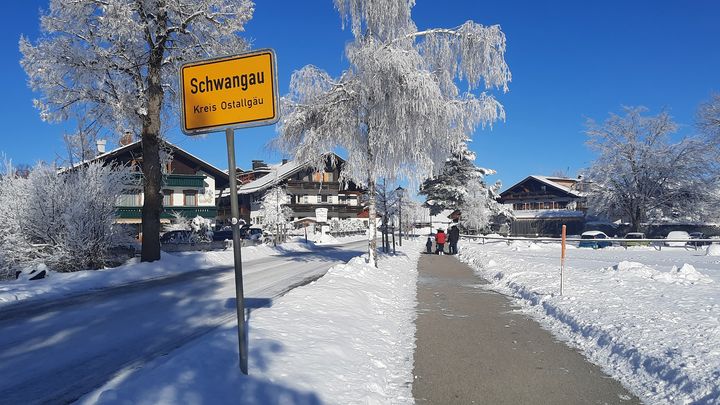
x: 55, y: 353
x: 472, y: 348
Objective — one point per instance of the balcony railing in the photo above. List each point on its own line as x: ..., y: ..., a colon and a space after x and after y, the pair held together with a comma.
x: 188, y: 212
x: 179, y: 180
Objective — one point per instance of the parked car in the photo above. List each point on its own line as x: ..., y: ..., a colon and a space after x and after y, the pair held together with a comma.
x: 221, y: 235
x: 251, y: 233
x: 677, y: 235
x: 594, y: 239
x: 635, y: 235
x: 178, y: 237
x: 697, y: 235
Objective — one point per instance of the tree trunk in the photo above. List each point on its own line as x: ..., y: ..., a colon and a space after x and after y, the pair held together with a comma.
x: 372, y: 215
x: 152, y: 172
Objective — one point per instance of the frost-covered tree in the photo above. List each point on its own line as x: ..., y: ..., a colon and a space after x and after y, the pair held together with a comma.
x: 82, y: 144
x: 397, y: 110
x: 708, y: 119
x: 116, y: 61
x: 641, y: 174
x: 449, y: 188
x: 480, y: 207
x: 65, y: 220
x: 274, y: 209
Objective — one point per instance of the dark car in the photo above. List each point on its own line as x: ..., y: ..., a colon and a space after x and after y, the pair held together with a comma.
x: 226, y: 234
x: 251, y: 233
x: 178, y: 237
x: 697, y: 235
x: 594, y: 239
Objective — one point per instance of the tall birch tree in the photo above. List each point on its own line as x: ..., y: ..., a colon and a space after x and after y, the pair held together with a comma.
x: 397, y: 110
x: 116, y: 61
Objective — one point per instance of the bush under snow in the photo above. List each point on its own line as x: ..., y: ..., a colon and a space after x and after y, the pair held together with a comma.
x: 64, y: 220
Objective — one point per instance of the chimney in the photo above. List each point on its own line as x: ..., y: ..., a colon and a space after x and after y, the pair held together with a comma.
x: 256, y: 164
x: 284, y: 161
x: 126, y: 139
x: 101, y: 145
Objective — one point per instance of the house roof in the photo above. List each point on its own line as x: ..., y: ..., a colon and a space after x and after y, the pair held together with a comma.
x: 277, y: 174
x: 549, y: 181
x: 221, y: 177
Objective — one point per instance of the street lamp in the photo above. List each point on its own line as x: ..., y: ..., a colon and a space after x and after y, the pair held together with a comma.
x: 400, y: 193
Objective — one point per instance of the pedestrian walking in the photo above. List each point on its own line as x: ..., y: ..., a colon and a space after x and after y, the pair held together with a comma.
x: 453, y: 238
x: 429, y: 244
x: 440, y: 241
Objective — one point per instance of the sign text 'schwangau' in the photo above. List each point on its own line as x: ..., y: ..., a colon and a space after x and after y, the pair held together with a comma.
x: 242, y: 81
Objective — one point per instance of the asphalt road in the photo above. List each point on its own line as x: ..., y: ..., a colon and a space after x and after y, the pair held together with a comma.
x: 55, y: 352
x: 472, y: 348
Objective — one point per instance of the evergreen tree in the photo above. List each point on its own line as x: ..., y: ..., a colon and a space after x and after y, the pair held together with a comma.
x: 449, y: 189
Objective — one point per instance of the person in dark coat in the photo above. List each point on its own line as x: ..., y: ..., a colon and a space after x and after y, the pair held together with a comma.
x: 429, y: 244
x: 453, y: 238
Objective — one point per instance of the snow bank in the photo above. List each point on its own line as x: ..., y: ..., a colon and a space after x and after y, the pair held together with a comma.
x: 64, y: 284
x: 651, y: 320
x: 686, y: 274
x: 347, y: 338
x: 713, y: 250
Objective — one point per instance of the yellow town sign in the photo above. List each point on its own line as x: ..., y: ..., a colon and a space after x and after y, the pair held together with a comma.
x: 232, y: 92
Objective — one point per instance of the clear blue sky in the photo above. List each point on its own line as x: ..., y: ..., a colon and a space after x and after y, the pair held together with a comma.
x: 570, y: 60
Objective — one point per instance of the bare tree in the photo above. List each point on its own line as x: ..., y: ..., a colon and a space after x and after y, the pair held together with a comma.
x: 116, y: 61
x: 397, y: 110
x: 708, y: 118
x: 641, y: 175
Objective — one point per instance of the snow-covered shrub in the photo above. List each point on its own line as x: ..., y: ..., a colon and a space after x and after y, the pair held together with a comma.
x: 178, y: 222
x: 64, y: 220
x: 346, y: 225
x: 201, y: 228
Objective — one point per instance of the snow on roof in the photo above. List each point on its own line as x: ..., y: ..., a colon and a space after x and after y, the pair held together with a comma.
x: 551, y: 181
x: 98, y: 157
x: 593, y: 233
x: 277, y: 174
x: 131, y: 145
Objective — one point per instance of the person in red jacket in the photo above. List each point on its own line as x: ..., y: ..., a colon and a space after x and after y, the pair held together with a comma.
x: 440, y: 241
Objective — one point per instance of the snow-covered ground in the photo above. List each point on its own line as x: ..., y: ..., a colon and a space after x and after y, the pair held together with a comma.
x: 347, y: 338
x: 64, y: 284
x: 649, y: 318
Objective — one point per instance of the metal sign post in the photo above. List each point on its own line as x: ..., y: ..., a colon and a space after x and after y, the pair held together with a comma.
x: 226, y: 93
x: 237, y: 242
x: 562, y: 257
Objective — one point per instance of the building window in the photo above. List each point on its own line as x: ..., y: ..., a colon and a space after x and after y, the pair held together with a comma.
x: 167, y: 198
x: 306, y: 199
x: 323, y: 199
x: 317, y: 176
x: 548, y: 205
x: 190, y: 198
x: 328, y: 176
x: 129, y: 200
